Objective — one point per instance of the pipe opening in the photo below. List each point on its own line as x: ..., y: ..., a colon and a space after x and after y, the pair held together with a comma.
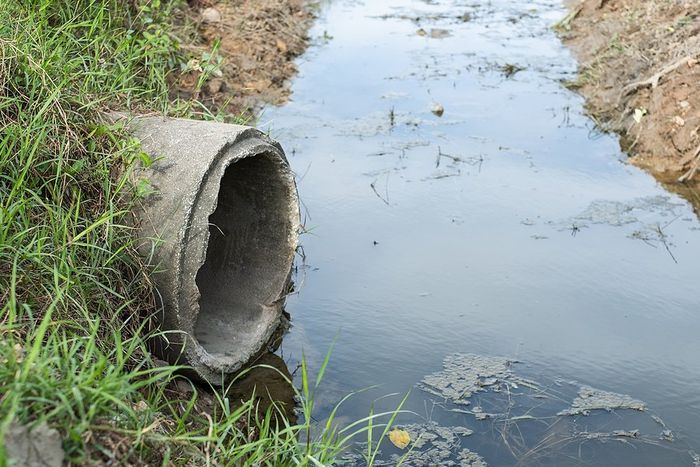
x: 248, y: 258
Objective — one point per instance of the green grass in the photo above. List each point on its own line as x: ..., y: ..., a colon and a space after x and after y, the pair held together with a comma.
x: 75, y: 297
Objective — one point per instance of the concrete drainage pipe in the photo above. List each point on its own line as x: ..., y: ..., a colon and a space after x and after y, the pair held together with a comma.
x: 222, y: 231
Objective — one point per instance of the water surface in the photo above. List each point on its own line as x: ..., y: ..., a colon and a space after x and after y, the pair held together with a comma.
x: 506, y: 227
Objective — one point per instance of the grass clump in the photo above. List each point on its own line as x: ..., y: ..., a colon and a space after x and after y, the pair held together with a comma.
x: 73, y: 293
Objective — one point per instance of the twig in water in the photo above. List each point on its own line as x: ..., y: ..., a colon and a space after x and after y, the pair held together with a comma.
x: 662, y: 238
x: 441, y: 154
x: 308, y: 167
x: 575, y: 229
x: 374, y: 189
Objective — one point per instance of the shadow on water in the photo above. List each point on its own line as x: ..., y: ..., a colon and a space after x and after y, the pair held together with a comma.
x: 458, y: 202
x: 268, y: 381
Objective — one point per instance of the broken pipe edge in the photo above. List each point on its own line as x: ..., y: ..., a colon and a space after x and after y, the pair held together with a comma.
x: 221, y: 229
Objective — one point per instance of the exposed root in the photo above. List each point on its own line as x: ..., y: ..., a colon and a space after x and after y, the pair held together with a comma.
x: 565, y: 23
x: 654, y: 80
x: 693, y: 170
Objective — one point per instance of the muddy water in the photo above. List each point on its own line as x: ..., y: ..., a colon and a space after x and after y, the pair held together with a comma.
x: 506, y: 227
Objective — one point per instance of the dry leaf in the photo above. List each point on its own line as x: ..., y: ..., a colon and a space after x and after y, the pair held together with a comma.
x: 399, y: 438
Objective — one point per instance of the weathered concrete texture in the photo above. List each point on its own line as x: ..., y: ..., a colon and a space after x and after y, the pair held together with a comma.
x: 222, y: 230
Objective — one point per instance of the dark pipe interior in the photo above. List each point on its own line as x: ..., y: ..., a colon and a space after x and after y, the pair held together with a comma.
x: 247, y: 261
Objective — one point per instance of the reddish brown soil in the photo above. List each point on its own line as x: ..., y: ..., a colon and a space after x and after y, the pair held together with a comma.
x: 257, y: 43
x: 622, y: 45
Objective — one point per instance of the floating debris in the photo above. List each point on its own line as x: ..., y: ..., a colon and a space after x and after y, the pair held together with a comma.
x: 594, y: 399
x: 479, y: 414
x: 465, y: 374
x: 614, y: 434
x: 510, y: 69
x: 438, y: 445
x: 490, y: 390
x: 428, y: 444
x: 696, y: 458
x: 437, y: 109
x: 618, y: 213
x: 613, y: 213
x: 400, y: 438
x: 435, y: 33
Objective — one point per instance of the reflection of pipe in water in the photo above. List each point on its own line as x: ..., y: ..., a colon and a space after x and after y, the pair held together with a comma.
x: 225, y: 215
x: 269, y: 380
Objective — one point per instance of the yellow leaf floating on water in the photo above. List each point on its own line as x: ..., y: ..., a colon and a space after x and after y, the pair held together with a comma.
x: 400, y: 438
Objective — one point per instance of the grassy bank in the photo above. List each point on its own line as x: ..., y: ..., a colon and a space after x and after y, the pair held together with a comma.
x: 75, y: 296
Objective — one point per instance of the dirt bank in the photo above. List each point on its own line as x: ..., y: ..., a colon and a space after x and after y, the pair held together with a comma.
x: 242, y: 52
x: 640, y: 75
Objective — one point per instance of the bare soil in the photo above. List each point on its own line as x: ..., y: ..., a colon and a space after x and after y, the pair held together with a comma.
x: 640, y: 74
x: 250, y: 46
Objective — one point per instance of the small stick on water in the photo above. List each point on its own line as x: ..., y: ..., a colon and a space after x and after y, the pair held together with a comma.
x: 308, y: 167
x: 662, y: 238
x: 374, y: 189
x: 441, y: 154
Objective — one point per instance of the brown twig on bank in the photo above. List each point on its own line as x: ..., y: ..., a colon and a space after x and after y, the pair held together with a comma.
x: 693, y: 170
x: 654, y: 80
x: 565, y: 23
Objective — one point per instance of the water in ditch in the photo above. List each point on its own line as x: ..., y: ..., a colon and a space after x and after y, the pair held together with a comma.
x: 471, y: 238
